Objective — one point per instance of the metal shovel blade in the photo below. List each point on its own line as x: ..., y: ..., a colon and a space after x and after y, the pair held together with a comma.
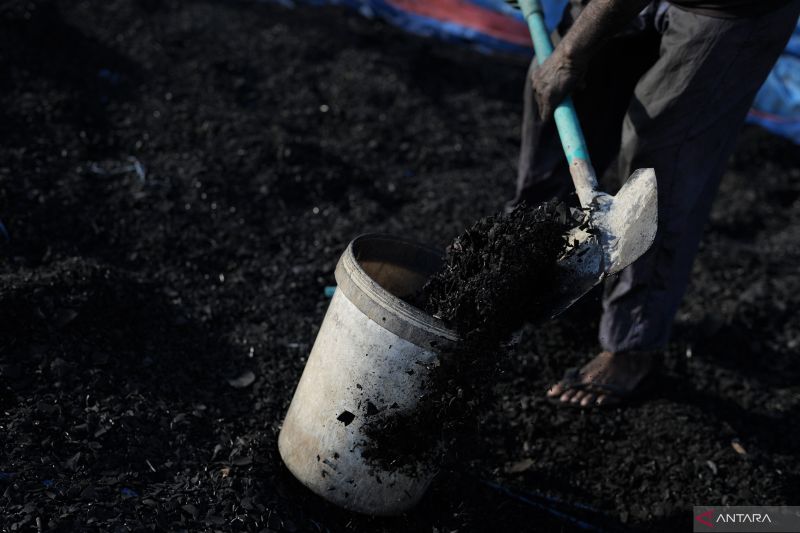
x: 620, y: 229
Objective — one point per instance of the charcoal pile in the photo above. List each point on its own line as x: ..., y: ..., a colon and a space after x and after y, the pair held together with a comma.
x: 177, y: 181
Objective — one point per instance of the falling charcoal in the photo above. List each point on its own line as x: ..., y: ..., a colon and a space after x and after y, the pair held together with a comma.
x: 346, y: 417
x: 495, y: 276
x: 371, y: 409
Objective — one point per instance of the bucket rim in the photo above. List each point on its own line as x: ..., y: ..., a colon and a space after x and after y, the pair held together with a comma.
x: 352, y: 278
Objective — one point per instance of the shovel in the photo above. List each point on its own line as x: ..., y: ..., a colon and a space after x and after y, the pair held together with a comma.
x: 618, y: 229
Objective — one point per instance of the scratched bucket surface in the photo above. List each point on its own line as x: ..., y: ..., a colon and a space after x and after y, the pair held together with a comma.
x: 372, y: 349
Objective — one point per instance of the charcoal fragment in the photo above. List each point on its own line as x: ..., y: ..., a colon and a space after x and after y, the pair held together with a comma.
x: 346, y: 417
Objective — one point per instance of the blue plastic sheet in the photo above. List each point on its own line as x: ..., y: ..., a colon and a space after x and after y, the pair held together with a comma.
x: 495, y: 26
x: 777, y: 106
x: 450, y: 24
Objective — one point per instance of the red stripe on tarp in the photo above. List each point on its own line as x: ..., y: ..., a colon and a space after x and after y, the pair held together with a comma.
x: 467, y: 14
x: 770, y: 116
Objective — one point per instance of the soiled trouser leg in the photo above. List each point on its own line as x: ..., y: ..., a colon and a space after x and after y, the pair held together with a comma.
x: 682, y: 121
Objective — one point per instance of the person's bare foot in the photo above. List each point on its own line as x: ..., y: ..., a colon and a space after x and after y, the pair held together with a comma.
x: 608, y: 379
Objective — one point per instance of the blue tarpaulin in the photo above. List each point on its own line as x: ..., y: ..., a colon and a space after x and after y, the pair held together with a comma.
x: 494, y: 26
x: 777, y: 106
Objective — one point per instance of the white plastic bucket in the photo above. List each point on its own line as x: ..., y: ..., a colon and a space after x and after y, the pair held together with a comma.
x: 373, y: 348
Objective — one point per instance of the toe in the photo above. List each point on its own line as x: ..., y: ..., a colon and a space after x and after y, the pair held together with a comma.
x: 588, y: 399
x: 556, y: 390
x: 576, y: 398
x: 607, y: 400
x: 567, y: 396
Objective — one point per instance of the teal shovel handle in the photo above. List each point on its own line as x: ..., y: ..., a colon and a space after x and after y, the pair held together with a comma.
x: 569, y: 128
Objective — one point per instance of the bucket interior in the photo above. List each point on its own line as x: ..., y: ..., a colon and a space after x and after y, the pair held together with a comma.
x: 400, y: 267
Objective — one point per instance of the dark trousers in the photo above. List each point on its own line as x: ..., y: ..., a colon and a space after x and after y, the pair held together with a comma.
x: 671, y: 94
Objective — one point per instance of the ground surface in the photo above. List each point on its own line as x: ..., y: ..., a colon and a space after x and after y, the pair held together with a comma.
x: 136, y: 305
